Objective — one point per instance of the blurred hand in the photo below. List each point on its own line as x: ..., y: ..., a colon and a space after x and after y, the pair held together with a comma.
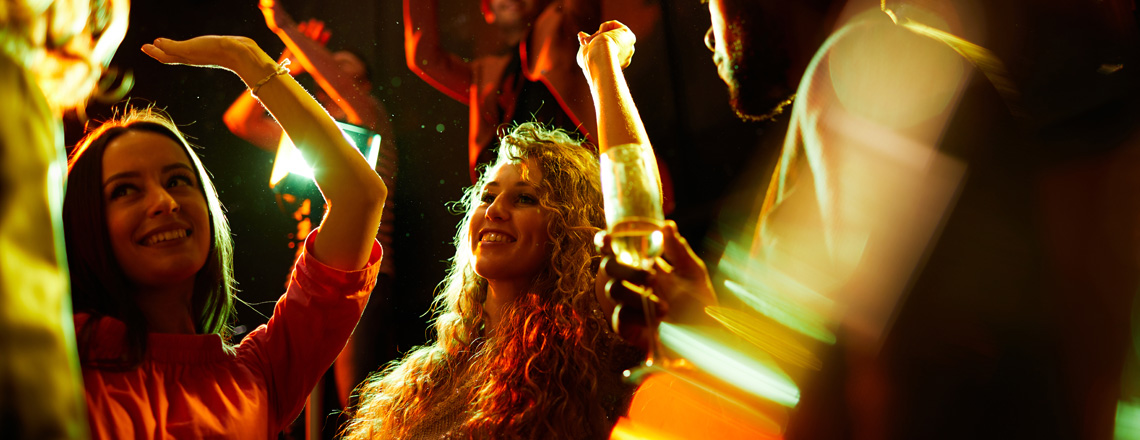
x: 314, y: 30
x: 679, y: 283
x: 619, y: 39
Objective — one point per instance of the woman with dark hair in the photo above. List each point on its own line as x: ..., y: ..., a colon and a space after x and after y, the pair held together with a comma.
x: 151, y: 268
x: 522, y: 348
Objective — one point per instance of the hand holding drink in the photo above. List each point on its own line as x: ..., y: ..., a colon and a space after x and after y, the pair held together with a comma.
x: 631, y: 191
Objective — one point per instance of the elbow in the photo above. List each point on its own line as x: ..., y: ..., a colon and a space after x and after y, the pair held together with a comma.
x: 373, y: 193
x: 412, y: 53
x: 422, y: 56
x: 364, y: 201
x: 410, y: 61
x: 379, y: 191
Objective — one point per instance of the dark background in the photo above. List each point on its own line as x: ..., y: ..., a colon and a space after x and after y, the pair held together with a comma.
x: 672, y: 77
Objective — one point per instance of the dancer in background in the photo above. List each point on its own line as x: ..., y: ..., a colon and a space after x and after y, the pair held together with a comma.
x: 52, y: 54
x: 534, y: 78
x: 151, y: 267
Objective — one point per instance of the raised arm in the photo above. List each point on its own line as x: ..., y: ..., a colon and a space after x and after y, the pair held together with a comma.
x: 354, y: 193
x: 443, y: 70
x: 602, y: 57
x: 358, y: 105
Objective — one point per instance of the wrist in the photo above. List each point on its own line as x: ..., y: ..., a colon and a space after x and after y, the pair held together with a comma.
x: 251, y: 63
x: 603, y: 54
x: 280, y: 70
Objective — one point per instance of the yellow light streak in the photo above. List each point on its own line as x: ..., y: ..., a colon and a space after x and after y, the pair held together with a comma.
x: 759, y: 377
x: 789, y: 314
x: 777, y: 340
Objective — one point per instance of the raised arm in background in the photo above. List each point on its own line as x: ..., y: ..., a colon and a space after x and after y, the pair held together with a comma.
x: 349, y: 89
x: 445, y: 71
x: 359, y: 106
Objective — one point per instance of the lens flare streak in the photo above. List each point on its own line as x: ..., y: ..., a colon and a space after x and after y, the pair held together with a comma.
x: 777, y: 340
x: 743, y: 371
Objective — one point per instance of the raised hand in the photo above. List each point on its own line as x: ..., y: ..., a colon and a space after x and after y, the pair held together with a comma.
x: 315, y: 30
x: 616, y: 36
x: 205, y: 51
x: 679, y: 282
x: 240, y: 55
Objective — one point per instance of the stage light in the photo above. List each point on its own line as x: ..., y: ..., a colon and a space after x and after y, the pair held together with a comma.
x: 290, y: 161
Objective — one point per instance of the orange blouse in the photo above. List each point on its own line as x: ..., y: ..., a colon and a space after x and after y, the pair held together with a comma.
x: 193, y: 386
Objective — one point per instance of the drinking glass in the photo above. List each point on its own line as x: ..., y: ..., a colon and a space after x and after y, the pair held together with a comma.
x: 631, y: 193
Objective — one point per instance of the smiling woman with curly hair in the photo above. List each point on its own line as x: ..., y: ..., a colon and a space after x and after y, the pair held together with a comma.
x: 522, y: 348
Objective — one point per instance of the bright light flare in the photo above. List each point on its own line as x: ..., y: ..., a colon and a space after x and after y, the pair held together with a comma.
x: 784, y: 312
x: 777, y: 340
x: 785, y: 299
x: 672, y: 405
x: 758, y: 376
x: 290, y: 161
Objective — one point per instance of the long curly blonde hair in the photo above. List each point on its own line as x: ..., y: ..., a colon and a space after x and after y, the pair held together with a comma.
x: 538, y: 376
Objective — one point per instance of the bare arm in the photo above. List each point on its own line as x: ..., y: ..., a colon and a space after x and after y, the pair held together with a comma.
x: 354, y: 193
x: 602, y: 56
x: 444, y: 71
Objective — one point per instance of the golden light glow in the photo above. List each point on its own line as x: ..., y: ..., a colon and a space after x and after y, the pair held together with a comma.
x: 753, y: 372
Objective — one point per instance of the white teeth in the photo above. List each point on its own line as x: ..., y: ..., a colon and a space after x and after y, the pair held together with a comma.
x: 164, y: 236
x: 496, y: 237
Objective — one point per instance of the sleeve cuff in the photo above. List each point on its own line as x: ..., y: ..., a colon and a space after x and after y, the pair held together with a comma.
x: 329, y: 279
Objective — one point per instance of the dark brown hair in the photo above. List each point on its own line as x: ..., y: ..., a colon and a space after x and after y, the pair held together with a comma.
x: 98, y: 284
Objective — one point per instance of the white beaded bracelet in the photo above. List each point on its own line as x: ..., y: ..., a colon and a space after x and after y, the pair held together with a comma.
x: 281, y: 70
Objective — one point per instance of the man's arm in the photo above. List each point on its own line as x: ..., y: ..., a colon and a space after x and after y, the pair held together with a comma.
x: 247, y: 119
x: 443, y: 70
